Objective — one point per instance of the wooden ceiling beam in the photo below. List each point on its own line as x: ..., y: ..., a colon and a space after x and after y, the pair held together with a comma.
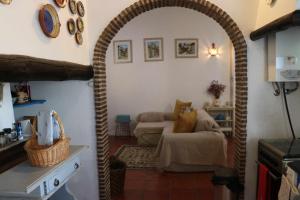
x: 280, y: 24
x: 15, y: 68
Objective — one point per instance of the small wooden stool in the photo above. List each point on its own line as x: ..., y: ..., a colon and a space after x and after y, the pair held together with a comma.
x: 123, y: 125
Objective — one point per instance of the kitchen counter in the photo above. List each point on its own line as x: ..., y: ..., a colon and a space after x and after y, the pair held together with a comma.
x: 13, y: 144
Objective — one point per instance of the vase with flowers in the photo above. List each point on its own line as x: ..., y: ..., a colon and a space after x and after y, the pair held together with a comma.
x: 216, y: 89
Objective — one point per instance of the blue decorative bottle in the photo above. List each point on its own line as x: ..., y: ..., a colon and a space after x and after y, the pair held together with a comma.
x: 19, y: 131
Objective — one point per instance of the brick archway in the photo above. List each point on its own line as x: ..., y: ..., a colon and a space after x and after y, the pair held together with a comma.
x: 240, y: 46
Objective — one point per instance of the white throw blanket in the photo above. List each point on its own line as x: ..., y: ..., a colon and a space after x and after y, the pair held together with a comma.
x: 287, y: 190
x: 48, y: 128
x: 203, y: 148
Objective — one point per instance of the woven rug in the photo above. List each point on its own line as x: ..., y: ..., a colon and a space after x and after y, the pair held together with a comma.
x: 137, y: 157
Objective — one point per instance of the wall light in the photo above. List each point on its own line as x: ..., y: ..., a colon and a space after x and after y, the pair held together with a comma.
x: 213, y: 51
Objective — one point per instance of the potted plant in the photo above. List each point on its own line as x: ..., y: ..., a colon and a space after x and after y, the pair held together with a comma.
x: 216, y: 89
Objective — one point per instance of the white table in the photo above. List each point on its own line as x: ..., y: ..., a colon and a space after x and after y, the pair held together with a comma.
x: 24, y: 182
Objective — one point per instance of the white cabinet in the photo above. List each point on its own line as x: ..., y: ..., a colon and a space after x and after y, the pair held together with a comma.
x: 25, y: 182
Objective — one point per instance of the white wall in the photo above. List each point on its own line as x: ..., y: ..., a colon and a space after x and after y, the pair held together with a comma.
x: 6, y: 111
x: 21, y: 34
x: 154, y: 86
x: 101, y: 12
x: 267, y: 14
x: 266, y: 114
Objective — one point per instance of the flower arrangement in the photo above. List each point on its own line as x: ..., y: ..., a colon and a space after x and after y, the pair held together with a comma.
x: 216, y: 89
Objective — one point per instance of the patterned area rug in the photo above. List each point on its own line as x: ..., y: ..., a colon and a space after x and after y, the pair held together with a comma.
x: 137, y: 156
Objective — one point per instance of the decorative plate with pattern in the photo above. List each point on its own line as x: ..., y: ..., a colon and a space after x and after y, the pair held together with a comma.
x: 78, y: 37
x: 71, y: 26
x: 80, y: 24
x: 49, y: 21
x: 5, y: 1
x: 72, y: 6
x: 80, y: 9
x: 61, y: 3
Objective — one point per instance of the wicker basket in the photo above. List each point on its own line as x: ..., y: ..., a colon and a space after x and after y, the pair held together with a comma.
x: 45, y: 156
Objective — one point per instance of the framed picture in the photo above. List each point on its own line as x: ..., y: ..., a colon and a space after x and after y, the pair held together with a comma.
x: 123, y: 51
x: 186, y: 48
x: 153, y: 48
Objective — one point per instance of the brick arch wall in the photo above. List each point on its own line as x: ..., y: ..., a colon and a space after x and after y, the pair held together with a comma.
x: 240, y: 46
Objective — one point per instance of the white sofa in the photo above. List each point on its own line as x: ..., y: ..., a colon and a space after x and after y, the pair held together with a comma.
x: 205, y: 147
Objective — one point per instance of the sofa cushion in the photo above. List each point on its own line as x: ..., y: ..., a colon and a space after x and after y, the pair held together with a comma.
x: 149, y: 128
x: 186, y: 122
x: 180, y: 107
x: 151, y: 117
x: 205, y: 122
x: 169, y: 116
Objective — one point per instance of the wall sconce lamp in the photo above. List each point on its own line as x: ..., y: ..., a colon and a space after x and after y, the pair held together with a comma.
x: 213, y: 51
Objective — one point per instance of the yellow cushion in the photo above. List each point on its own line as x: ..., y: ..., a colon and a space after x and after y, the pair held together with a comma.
x: 180, y: 107
x: 186, y: 122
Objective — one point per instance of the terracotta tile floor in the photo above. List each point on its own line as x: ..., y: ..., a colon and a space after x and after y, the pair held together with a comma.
x: 154, y: 185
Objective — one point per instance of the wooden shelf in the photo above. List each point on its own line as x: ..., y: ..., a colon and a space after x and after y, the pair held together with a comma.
x: 12, y: 144
x: 11, y: 155
x: 16, y: 68
x: 30, y: 103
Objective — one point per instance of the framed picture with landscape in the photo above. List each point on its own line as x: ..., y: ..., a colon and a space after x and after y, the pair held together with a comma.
x: 153, y: 48
x: 186, y: 48
x: 122, y: 51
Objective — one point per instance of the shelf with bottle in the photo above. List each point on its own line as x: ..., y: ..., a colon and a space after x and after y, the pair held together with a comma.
x: 29, y: 103
x: 224, y: 116
x: 21, y: 96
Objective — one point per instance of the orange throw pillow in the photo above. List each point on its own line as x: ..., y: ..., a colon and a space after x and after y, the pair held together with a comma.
x: 186, y: 122
x: 180, y: 107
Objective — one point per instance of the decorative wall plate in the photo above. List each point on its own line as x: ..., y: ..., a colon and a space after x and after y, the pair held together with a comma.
x: 80, y: 24
x: 71, y: 26
x: 72, y: 6
x: 80, y: 9
x: 49, y: 21
x: 61, y: 3
x: 78, y: 37
x: 5, y: 1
